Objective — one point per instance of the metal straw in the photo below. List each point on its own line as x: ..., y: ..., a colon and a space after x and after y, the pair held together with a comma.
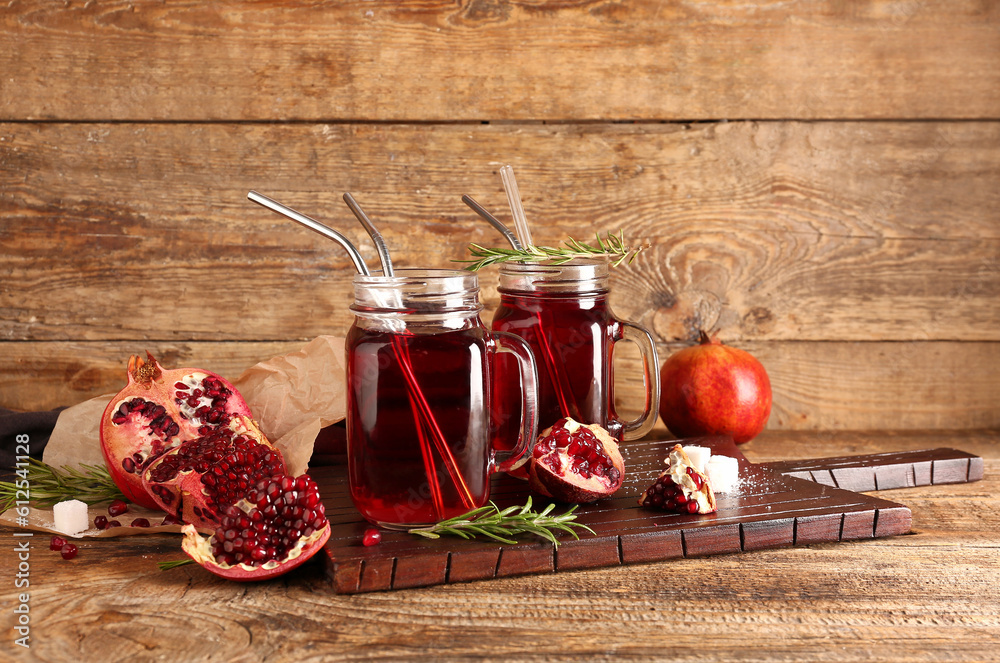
x: 516, y: 208
x: 312, y: 224
x: 380, y: 246
x: 493, y: 221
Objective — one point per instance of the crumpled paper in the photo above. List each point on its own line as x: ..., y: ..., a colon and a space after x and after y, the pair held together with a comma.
x: 292, y: 398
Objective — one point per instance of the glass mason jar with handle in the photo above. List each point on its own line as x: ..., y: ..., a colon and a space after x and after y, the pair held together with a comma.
x: 563, y: 313
x: 419, y: 398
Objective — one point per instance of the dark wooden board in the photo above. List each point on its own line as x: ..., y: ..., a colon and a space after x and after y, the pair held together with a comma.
x: 886, y: 471
x: 771, y: 509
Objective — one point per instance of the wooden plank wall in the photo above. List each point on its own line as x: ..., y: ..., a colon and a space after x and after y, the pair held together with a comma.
x: 820, y: 181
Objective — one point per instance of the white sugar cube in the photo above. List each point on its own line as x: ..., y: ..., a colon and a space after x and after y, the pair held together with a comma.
x: 699, y: 456
x: 723, y: 473
x: 71, y: 517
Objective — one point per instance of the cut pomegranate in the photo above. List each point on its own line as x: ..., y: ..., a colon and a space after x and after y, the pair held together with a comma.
x: 155, y: 412
x: 575, y: 463
x: 68, y: 551
x: 198, y: 480
x: 680, y: 488
x: 279, y: 525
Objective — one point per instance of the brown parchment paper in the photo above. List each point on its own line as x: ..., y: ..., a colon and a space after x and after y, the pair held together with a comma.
x: 291, y: 396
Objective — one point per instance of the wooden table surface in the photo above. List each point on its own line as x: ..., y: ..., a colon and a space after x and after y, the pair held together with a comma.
x: 931, y: 595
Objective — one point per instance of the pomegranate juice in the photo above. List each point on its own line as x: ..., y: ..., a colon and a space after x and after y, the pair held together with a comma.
x: 419, y: 447
x: 570, y: 336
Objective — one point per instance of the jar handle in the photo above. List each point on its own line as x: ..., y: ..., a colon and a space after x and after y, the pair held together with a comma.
x: 508, y: 343
x: 629, y: 331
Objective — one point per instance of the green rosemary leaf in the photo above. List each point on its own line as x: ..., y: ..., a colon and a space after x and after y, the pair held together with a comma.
x: 47, y: 485
x: 612, y: 246
x: 173, y: 564
x: 504, y: 525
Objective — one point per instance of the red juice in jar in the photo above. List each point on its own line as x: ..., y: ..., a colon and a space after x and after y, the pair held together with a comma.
x: 388, y: 477
x: 570, y: 337
x: 419, y: 381
x: 563, y: 313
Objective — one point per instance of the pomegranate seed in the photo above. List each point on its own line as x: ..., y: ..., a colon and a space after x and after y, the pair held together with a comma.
x: 56, y: 543
x: 117, y: 507
x: 68, y: 551
x: 140, y: 522
x: 113, y: 523
x: 101, y: 522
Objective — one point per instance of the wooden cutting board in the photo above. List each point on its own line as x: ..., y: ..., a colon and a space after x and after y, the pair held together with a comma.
x: 778, y: 504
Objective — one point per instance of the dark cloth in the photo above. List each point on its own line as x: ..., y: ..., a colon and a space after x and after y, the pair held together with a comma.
x: 34, y: 429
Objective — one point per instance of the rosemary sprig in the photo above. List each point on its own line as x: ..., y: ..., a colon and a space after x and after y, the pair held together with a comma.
x: 47, y: 485
x: 174, y: 563
x: 504, y: 525
x: 611, y: 245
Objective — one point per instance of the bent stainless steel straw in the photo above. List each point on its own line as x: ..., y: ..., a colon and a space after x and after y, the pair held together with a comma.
x: 493, y: 221
x: 314, y: 225
x: 380, y: 246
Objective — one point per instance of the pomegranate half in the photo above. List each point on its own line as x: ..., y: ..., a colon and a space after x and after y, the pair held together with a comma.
x: 575, y: 463
x: 280, y: 524
x: 157, y: 410
x: 201, y: 478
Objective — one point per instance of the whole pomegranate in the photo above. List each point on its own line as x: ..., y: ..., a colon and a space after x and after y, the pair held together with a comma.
x: 156, y: 411
x: 277, y: 526
x: 575, y: 463
x: 713, y: 389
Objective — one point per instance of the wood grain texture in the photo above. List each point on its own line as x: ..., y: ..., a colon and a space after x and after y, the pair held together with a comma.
x: 486, y: 59
x: 765, y: 231
x: 929, y: 596
x: 817, y: 386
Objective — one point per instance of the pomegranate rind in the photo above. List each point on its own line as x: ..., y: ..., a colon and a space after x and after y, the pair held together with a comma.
x: 199, y: 548
x: 572, y: 488
x: 148, y: 380
x: 694, y: 485
x: 187, y: 487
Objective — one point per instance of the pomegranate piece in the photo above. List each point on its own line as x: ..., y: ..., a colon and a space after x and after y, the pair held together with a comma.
x: 140, y: 522
x: 371, y: 537
x: 101, y: 522
x: 680, y: 488
x: 575, y: 463
x: 279, y: 525
x: 68, y: 551
x: 56, y: 543
x: 155, y: 412
x: 713, y: 389
x: 113, y: 523
x: 199, y: 479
